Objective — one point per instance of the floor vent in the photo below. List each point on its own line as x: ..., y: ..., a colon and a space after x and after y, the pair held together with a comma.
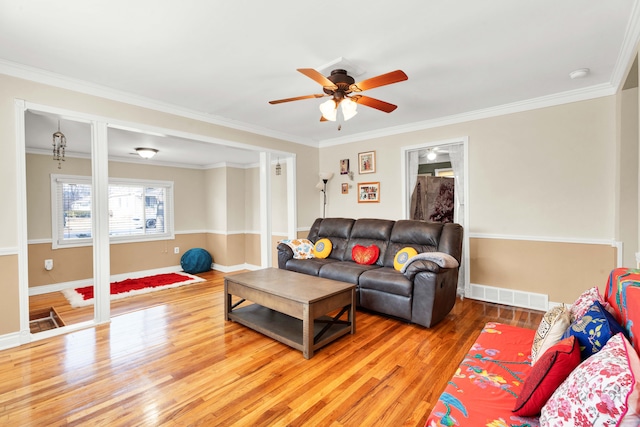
x: 511, y: 297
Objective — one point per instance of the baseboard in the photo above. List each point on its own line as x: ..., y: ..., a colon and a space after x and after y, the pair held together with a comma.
x: 232, y: 268
x: 10, y: 340
x: 530, y: 300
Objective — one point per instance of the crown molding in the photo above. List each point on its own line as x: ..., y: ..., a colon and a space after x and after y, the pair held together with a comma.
x: 53, y: 79
x: 577, y: 95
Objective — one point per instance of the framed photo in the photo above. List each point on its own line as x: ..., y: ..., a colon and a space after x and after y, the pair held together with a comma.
x: 344, y: 167
x: 368, y: 192
x: 367, y: 162
x: 345, y: 188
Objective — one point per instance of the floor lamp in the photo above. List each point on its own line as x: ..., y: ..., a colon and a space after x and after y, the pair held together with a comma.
x: 322, y: 186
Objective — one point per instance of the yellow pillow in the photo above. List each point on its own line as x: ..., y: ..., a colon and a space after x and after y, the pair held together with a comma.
x: 403, y: 256
x: 322, y: 248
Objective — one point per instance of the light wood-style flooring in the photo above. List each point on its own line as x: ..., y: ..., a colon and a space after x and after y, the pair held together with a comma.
x: 169, y: 358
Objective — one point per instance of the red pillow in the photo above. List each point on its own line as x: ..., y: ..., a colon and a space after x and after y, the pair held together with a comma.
x: 365, y: 256
x: 551, y: 369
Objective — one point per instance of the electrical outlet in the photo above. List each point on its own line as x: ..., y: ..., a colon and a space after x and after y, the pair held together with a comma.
x: 48, y: 264
x: 176, y: 250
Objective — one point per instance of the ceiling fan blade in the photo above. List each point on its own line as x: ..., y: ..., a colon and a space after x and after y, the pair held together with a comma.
x: 374, y: 103
x: 297, y: 98
x: 322, y: 119
x: 319, y: 78
x: 381, y: 80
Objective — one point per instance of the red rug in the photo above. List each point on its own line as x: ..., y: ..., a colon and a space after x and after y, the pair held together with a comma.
x: 84, y: 296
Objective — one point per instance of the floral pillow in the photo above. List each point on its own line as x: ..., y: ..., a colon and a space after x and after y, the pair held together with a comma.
x: 302, y: 248
x: 553, y: 325
x: 553, y: 367
x: 603, y: 390
x: 593, y: 329
x: 584, y: 302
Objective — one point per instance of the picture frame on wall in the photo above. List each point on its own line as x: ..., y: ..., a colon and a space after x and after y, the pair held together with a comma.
x: 344, y: 167
x: 345, y: 188
x: 367, y: 162
x: 369, y: 192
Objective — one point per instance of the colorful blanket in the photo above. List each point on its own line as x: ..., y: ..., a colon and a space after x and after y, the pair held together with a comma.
x: 488, y: 380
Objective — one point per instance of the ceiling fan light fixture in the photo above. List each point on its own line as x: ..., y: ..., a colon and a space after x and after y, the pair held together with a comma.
x: 348, y: 108
x: 431, y: 155
x: 329, y: 110
x: 146, y: 153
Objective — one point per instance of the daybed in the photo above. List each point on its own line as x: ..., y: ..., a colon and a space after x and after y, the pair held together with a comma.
x: 580, y: 368
x: 422, y: 291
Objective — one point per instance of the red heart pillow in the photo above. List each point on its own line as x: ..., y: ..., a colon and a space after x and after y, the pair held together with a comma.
x: 365, y: 255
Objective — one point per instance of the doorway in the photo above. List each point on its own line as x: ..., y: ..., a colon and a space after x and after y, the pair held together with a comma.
x: 95, y: 162
x: 444, y: 160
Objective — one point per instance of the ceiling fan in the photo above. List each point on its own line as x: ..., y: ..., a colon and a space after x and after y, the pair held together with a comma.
x: 341, y: 87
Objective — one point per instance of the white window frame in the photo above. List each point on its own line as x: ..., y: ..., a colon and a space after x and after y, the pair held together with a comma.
x: 57, y: 219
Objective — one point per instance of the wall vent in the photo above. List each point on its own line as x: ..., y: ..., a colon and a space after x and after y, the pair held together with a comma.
x: 530, y: 300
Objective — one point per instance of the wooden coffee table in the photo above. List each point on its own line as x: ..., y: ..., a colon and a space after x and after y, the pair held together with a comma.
x: 291, y: 307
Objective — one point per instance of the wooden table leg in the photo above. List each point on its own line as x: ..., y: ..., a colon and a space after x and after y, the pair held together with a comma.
x: 352, y: 312
x: 307, y: 333
x: 227, y: 301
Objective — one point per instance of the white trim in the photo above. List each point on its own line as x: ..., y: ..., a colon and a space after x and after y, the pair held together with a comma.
x: 584, y: 241
x: 265, y: 210
x: 233, y: 268
x: 9, y: 251
x: 292, y: 206
x: 19, y: 109
x: 10, y: 340
x: 629, y: 47
x: 510, y: 297
x: 100, y: 222
x: 592, y: 92
x: 57, y: 80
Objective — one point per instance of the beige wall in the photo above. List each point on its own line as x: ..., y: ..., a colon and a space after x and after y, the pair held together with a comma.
x: 545, y: 174
x: 560, y: 270
x: 9, y: 303
x: 627, y: 221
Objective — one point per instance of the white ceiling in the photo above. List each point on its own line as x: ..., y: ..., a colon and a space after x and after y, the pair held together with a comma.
x: 223, y: 61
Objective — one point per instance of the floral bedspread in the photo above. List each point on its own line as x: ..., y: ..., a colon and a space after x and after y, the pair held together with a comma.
x: 484, y: 389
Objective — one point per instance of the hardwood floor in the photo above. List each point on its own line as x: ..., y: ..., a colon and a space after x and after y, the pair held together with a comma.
x: 178, y: 363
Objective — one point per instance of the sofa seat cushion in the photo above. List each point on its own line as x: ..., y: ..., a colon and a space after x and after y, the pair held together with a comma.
x: 309, y: 266
x: 484, y: 389
x: 345, y: 271
x: 388, y: 280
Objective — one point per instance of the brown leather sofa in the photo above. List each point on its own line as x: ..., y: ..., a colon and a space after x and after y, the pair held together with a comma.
x: 424, y: 294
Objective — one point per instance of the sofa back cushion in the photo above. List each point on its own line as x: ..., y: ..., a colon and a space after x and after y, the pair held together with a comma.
x: 423, y: 236
x: 367, y: 232
x: 338, y: 231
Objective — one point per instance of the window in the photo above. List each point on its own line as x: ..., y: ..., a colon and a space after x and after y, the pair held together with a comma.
x: 138, y: 210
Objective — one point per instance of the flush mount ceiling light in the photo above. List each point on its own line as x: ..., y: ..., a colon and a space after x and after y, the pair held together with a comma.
x: 578, y: 74
x: 146, y: 153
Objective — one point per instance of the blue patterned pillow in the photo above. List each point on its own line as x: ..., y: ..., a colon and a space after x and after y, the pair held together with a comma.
x: 593, y: 330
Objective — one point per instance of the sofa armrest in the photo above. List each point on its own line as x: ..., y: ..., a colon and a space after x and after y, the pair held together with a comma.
x: 285, y: 253
x: 422, y: 265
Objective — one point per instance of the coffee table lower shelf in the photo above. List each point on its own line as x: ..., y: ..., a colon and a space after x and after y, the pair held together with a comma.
x: 286, y: 329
